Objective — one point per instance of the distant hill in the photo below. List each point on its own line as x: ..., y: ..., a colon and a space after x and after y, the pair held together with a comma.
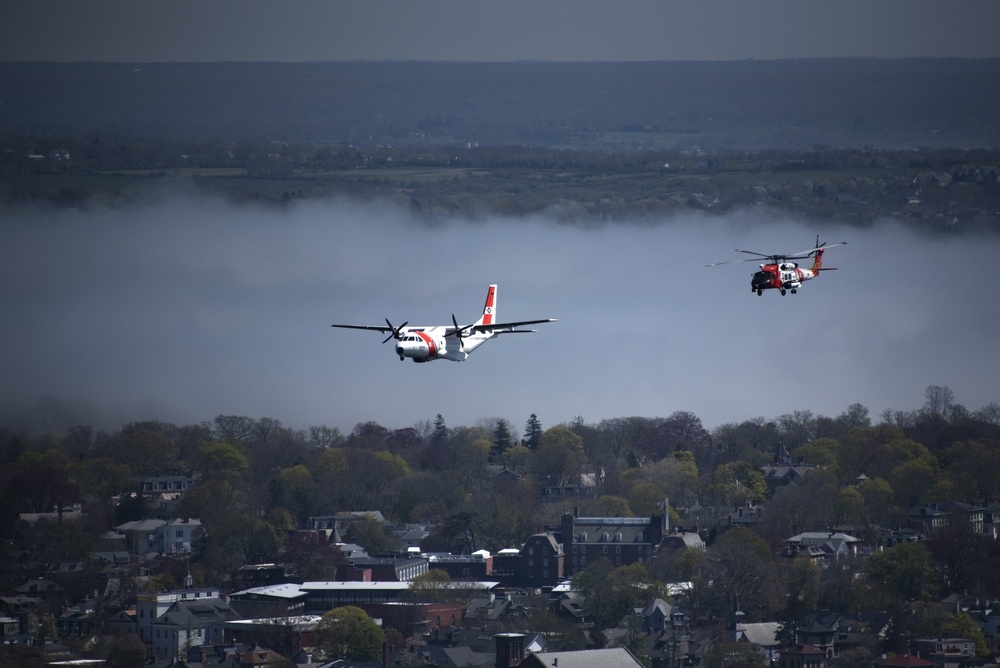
x: 600, y: 106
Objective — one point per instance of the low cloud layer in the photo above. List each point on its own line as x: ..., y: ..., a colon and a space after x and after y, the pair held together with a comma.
x: 191, y: 308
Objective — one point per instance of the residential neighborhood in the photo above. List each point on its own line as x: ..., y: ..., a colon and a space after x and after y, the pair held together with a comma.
x: 639, y: 542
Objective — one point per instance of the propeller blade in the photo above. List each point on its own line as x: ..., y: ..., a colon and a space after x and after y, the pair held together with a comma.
x: 395, y: 330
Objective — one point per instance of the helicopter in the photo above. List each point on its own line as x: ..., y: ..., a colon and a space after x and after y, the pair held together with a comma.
x: 780, y: 272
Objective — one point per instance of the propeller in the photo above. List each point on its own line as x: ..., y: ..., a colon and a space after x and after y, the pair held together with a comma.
x: 458, y: 330
x: 395, y: 330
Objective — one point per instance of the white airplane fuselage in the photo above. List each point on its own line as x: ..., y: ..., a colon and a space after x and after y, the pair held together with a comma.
x: 423, y: 344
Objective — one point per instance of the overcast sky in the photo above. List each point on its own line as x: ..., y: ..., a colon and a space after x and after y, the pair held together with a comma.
x: 190, y: 308
x: 495, y: 30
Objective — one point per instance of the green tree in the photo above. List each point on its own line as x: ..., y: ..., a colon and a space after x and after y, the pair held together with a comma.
x: 349, y: 633
x: 440, y: 433
x: 223, y: 459
x: 372, y: 535
x: 904, y: 571
x: 742, y: 572
x: 802, y: 579
x: 611, y: 593
x: 434, y: 586
x: 559, y: 456
x: 532, y: 431
x: 962, y: 625
x: 501, y: 438
x: 737, y: 484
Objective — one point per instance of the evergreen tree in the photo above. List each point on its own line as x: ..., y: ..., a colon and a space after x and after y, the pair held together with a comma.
x: 501, y: 438
x: 440, y: 433
x: 532, y: 432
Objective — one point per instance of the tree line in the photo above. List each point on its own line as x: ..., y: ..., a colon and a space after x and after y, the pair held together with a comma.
x: 258, y: 480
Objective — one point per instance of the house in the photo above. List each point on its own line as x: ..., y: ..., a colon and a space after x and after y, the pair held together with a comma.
x: 987, y: 617
x: 820, y: 630
x: 337, y: 525
x: 51, y: 595
x: 622, y: 540
x: 187, y: 623
x: 165, y: 482
x: 762, y: 634
x: 179, y: 535
x: 150, y: 606
x: 658, y: 615
x: 15, y: 631
x: 745, y: 516
x: 681, y: 538
x: 777, y: 475
x: 541, y: 562
x: 946, y: 652
x: 832, y: 544
x: 142, y: 537
x: 801, y: 656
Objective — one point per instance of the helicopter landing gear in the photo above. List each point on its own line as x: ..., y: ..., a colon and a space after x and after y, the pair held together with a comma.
x: 759, y: 292
x: 794, y: 291
x: 782, y: 292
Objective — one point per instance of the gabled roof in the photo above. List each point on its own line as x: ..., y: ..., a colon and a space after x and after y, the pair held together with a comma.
x: 657, y: 605
x: 761, y: 633
x: 149, y: 524
x: 617, y: 657
x: 204, y: 611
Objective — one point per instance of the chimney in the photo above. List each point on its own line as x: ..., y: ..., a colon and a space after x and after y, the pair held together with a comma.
x: 510, y: 649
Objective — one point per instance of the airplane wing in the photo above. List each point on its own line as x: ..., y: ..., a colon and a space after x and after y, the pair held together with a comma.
x: 377, y: 328
x: 510, y: 327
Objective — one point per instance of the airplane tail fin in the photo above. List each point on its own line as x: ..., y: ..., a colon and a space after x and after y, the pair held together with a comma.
x: 490, y: 309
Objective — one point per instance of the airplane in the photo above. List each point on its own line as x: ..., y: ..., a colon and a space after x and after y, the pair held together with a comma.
x: 449, y: 342
x: 780, y: 273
